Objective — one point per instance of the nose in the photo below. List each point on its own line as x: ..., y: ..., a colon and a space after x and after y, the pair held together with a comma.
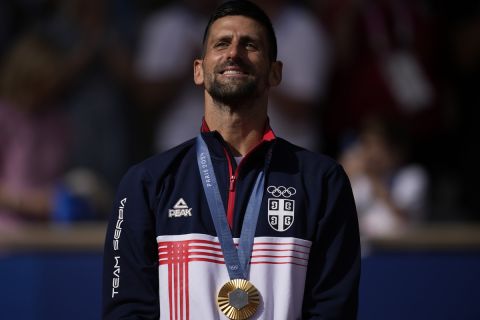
x: 234, y: 51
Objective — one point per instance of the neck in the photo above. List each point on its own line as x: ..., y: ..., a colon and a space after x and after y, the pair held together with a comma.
x: 241, y: 127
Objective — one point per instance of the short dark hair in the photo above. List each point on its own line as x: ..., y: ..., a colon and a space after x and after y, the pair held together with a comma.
x: 247, y: 9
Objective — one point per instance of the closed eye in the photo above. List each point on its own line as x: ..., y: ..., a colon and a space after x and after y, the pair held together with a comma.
x: 221, y: 44
x: 251, y: 46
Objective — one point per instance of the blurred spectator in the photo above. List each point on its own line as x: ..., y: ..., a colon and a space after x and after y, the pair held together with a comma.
x: 5, y: 26
x: 305, y: 50
x: 169, y: 42
x: 456, y: 163
x: 383, y: 66
x: 97, y: 71
x: 19, y: 16
x: 390, y: 192
x: 33, y: 130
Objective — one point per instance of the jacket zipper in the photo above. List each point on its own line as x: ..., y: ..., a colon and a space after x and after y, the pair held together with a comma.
x: 232, y: 184
x: 231, y: 191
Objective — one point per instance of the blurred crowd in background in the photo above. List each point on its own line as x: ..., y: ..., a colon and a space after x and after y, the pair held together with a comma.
x: 390, y: 88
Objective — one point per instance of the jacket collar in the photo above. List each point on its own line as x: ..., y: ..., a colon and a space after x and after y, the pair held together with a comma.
x: 268, y: 134
x: 218, y: 149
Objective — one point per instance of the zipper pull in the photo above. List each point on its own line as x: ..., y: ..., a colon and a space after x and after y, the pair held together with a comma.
x: 232, y: 183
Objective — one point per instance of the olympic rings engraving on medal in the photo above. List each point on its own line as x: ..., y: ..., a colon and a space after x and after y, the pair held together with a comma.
x: 281, y: 191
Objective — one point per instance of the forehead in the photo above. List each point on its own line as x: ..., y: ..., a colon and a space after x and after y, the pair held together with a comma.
x: 240, y: 26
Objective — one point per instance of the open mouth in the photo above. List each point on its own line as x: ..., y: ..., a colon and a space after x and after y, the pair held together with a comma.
x: 232, y: 72
x: 233, y: 69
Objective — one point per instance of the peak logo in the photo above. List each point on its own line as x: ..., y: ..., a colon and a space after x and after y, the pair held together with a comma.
x: 180, y: 209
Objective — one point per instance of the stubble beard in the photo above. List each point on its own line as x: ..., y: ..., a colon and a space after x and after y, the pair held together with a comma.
x: 233, y: 92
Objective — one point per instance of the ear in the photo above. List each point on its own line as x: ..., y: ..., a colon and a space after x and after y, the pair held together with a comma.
x: 198, y: 72
x: 275, y: 76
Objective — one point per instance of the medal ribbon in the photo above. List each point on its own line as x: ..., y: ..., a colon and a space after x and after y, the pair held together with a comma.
x: 237, y: 261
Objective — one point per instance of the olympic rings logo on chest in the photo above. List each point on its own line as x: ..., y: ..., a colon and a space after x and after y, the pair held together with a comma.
x: 281, y: 191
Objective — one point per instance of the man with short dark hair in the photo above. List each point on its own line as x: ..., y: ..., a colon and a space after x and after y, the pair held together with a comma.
x: 236, y: 223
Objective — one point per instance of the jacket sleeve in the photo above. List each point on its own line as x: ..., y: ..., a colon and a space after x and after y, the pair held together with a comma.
x: 331, y: 288
x: 130, y: 265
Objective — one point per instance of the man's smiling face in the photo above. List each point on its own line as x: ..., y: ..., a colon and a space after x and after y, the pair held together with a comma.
x: 236, y: 65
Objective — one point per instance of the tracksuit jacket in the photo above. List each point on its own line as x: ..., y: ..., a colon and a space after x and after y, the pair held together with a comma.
x: 163, y: 259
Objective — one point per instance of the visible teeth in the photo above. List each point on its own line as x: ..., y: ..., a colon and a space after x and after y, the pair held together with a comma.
x: 232, y: 72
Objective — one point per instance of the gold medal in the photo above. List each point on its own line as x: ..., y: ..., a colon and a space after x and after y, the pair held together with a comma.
x: 238, y: 299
